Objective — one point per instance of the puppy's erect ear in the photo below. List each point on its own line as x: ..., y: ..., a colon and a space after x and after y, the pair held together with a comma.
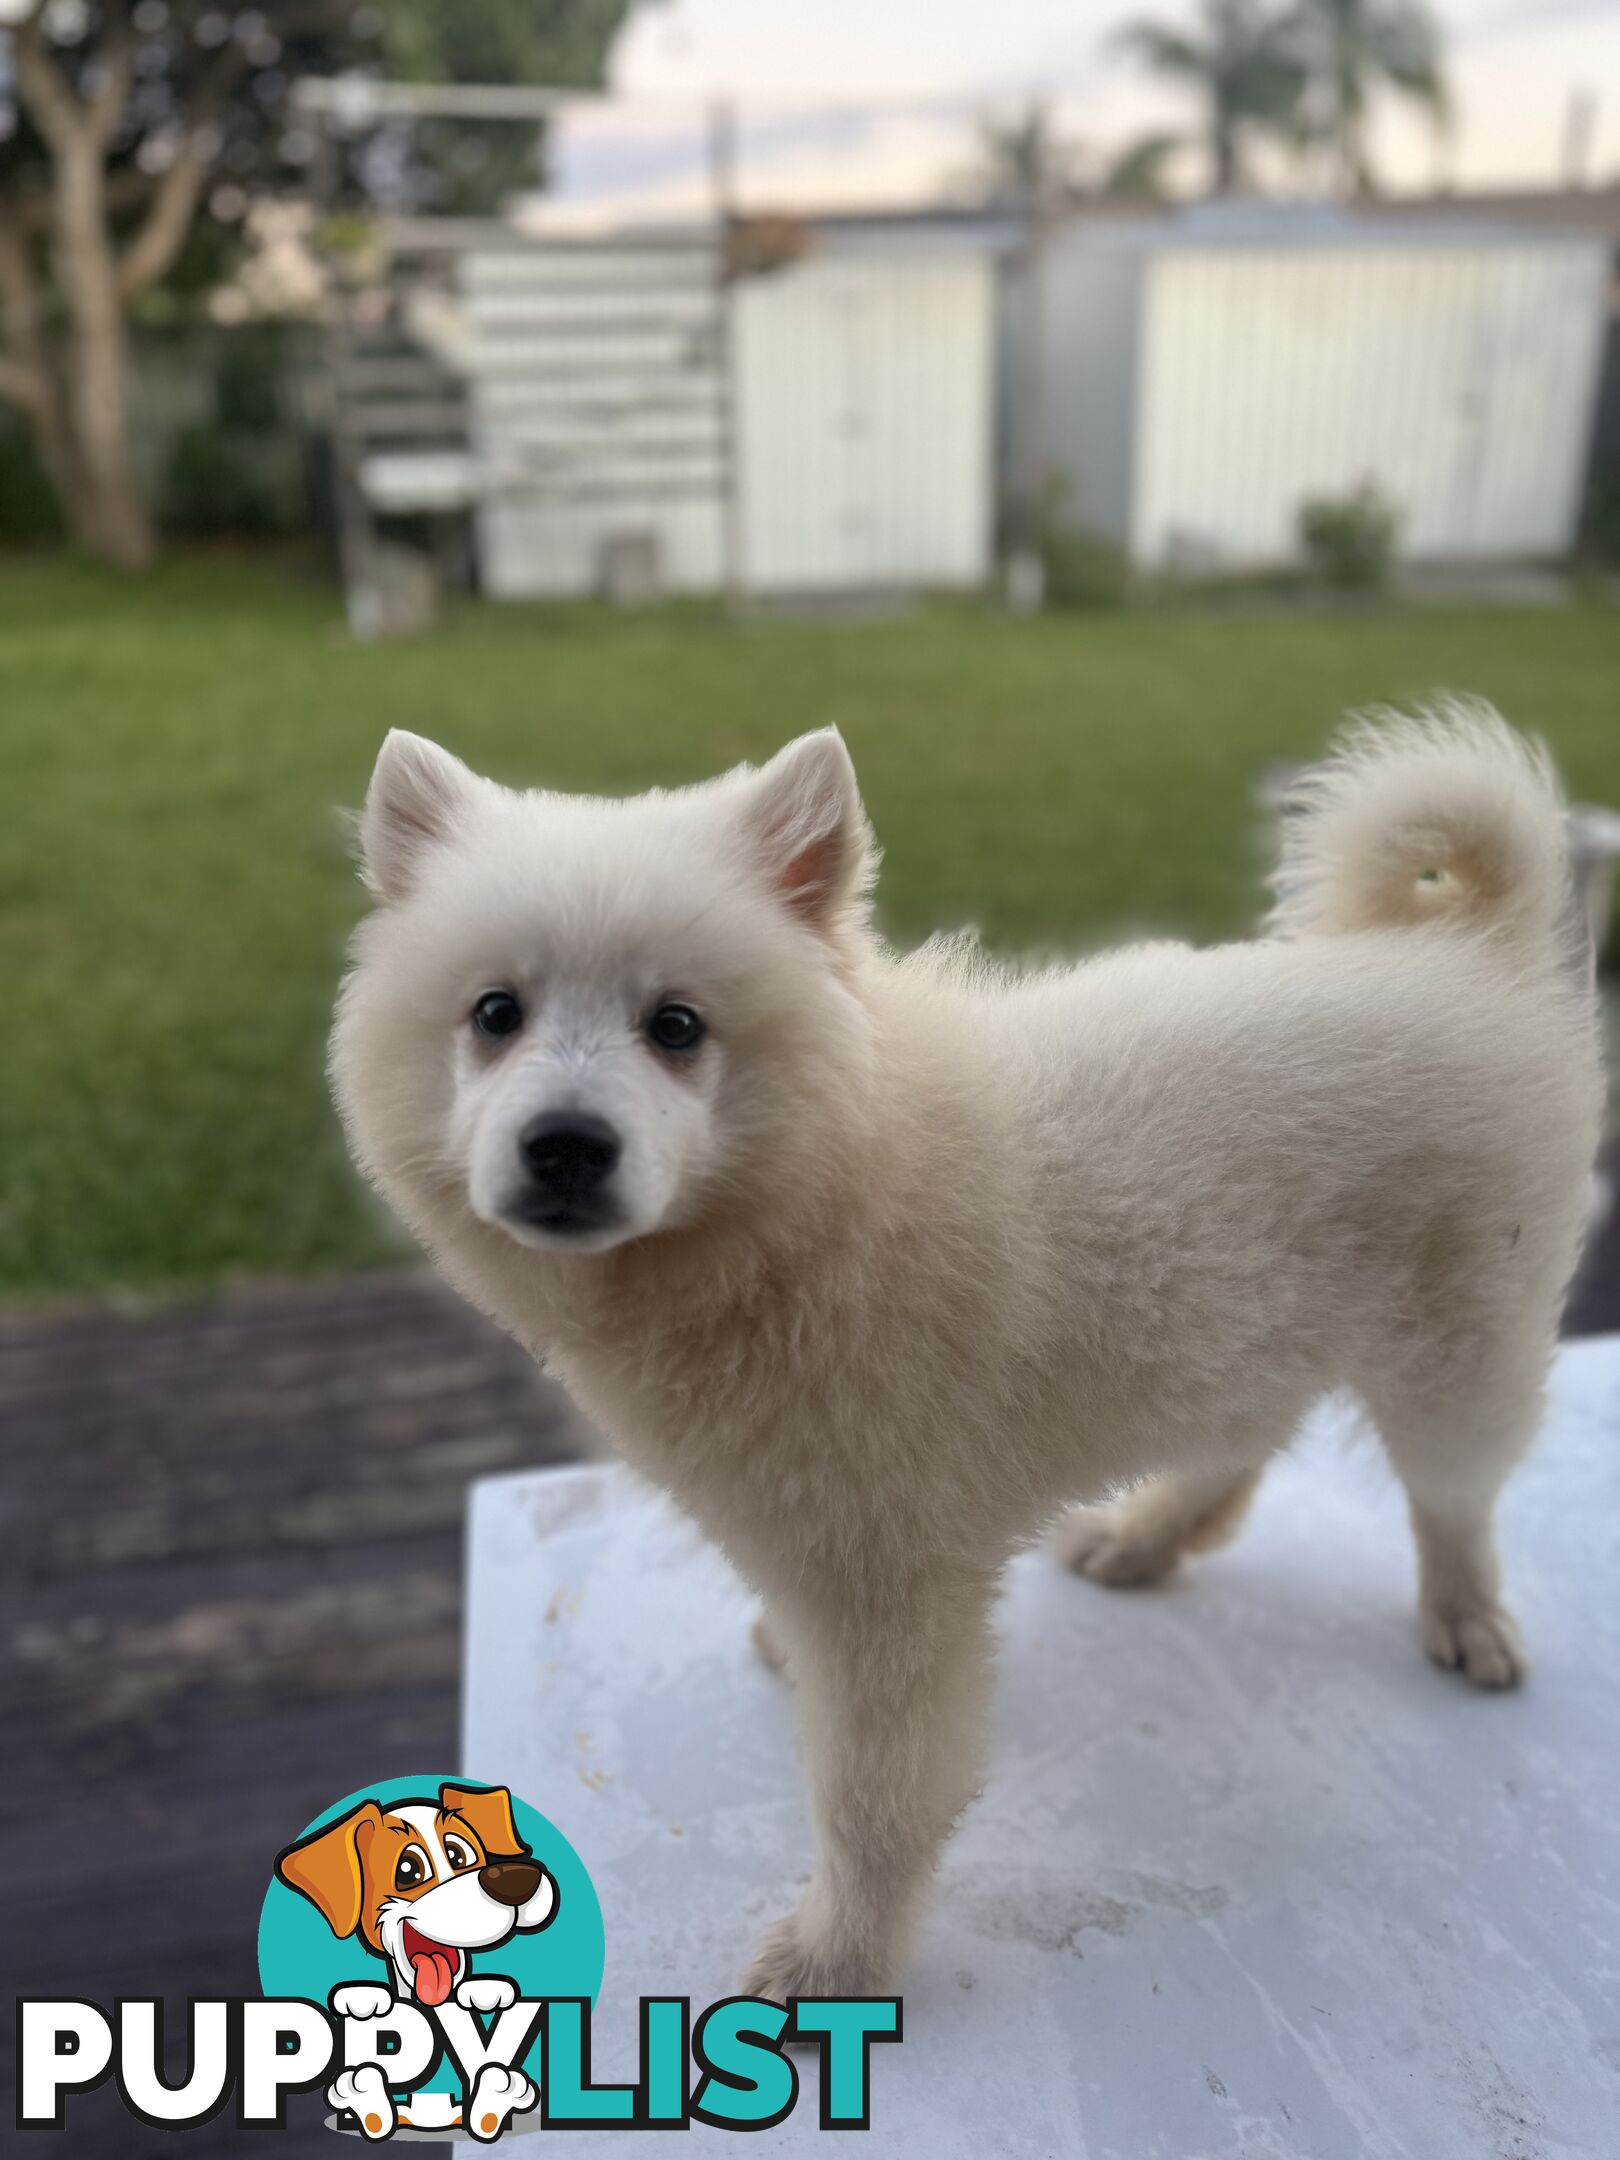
x: 418, y: 793
x: 328, y: 1868
x: 804, y: 819
x: 488, y: 1815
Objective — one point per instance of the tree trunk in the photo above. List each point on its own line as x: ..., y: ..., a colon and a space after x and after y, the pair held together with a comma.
x: 66, y: 363
x: 52, y: 431
x: 103, y: 509
x: 28, y: 371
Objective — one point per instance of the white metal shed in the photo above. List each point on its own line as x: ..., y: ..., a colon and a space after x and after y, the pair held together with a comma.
x: 865, y: 398
x: 1205, y: 374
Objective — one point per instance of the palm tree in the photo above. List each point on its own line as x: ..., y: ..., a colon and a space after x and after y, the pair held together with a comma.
x: 1139, y: 174
x: 1244, y: 62
x: 1024, y: 163
x: 1354, y: 48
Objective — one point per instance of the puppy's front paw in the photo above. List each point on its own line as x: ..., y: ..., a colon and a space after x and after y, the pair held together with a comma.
x: 363, y: 2093
x: 497, y: 2095
x: 1483, y: 1644
x: 362, y: 2000
x: 1098, y: 1544
x: 485, y: 1991
x: 791, y: 1962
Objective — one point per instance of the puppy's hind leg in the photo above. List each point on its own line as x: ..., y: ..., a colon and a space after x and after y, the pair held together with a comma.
x: 1137, y: 1539
x: 1453, y: 1463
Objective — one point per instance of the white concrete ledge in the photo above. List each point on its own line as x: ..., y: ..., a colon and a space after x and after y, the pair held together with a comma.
x: 1249, y: 1877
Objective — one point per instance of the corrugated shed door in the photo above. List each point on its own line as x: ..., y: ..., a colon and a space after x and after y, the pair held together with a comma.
x: 1456, y: 378
x: 1540, y: 344
x: 864, y: 409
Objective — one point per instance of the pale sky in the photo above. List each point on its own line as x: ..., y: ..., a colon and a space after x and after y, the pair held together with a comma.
x: 810, y: 73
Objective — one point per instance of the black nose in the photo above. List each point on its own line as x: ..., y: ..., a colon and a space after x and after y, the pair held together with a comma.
x: 510, y: 1882
x: 569, y: 1152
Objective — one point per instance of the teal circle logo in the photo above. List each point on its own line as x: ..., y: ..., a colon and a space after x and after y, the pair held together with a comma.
x: 422, y: 1886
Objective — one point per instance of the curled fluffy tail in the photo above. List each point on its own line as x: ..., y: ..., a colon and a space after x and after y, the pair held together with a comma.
x: 1448, y: 816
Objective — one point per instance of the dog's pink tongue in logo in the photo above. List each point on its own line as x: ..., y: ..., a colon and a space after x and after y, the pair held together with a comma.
x: 433, y: 1965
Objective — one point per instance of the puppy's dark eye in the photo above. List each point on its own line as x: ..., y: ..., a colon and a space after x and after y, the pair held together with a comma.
x: 675, y: 1027
x: 497, y: 1015
x: 457, y: 1854
x: 412, y: 1870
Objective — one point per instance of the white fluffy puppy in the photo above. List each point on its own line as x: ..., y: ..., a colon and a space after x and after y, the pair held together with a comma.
x: 877, y: 1263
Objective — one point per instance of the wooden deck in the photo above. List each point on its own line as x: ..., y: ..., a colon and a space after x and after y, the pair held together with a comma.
x: 232, y: 1594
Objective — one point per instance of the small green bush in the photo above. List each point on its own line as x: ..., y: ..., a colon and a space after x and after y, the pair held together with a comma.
x: 1600, y: 522
x: 1083, y: 570
x: 27, y: 507
x: 250, y: 378
x: 213, y: 484
x: 1079, y: 567
x: 1349, y: 540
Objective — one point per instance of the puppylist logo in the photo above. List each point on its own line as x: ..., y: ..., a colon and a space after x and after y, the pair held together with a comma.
x: 430, y: 1953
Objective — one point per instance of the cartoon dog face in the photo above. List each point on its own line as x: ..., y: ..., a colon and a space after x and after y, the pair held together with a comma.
x: 422, y: 1883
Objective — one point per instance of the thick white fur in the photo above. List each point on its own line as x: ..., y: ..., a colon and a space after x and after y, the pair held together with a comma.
x: 918, y: 1252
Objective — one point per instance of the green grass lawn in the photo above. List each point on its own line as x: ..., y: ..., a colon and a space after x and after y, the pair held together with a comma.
x: 175, y: 892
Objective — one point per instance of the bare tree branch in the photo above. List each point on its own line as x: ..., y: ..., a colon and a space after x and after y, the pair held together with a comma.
x: 19, y: 292
x: 43, y: 88
x: 32, y: 211
x: 24, y: 378
x: 154, y: 248
x: 153, y: 251
x: 106, y: 106
x: 21, y: 386
x: 61, y: 116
